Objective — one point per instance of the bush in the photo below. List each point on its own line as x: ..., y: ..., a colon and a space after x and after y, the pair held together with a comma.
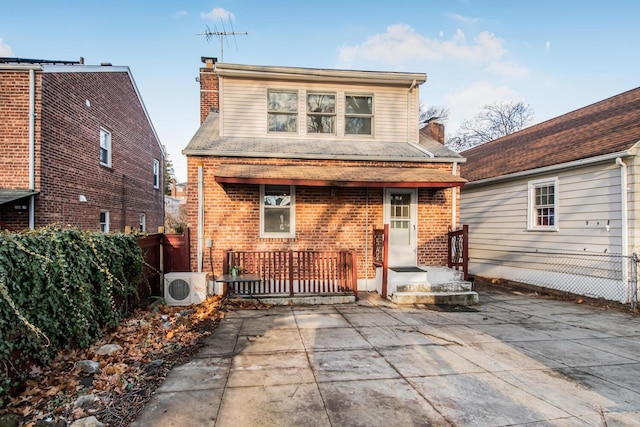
x: 60, y: 289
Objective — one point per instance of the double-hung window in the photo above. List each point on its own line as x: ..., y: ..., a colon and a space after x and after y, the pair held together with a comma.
x: 143, y: 222
x: 277, y: 211
x: 321, y: 113
x: 282, y: 111
x: 156, y: 173
x: 358, y: 115
x: 104, y: 221
x: 543, y: 204
x: 105, y: 147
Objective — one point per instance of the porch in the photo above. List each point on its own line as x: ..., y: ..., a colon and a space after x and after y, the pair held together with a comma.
x: 290, y: 276
x: 422, y: 284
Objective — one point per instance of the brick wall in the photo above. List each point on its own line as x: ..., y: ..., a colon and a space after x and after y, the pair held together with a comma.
x: 70, y: 153
x: 14, y: 140
x: 326, y: 217
x: 71, y: 109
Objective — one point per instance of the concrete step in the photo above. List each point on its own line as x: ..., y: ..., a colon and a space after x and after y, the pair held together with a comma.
x: 452, y: 286
x: 436, y: 298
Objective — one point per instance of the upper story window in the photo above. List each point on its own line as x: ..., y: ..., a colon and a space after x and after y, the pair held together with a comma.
x: 277, y: 211
x: 282, y: 111
x: 321, y: 113
x: 143, y: 222
x: 543, y: 204
x: 104, y: 221
x: 156, y: 173
x: 105, y: 147
x: 358, y: 115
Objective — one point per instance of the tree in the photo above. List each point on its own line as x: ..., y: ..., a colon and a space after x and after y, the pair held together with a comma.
x: 493, y: 122
x: 169, y: 174
x: 434, y: 113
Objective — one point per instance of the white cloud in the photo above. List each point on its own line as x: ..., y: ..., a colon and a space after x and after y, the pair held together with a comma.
x: 401, y: 44
x: 5, y: 49
x: 547, y: 46
x: 465, y: 19
x: 508, y: 69
x: 218, y: 13
x: 181, y: 13
x: 465, y: 103
x: 441, y: 34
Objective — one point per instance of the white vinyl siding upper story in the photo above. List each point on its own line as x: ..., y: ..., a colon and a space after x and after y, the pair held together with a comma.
x: 588, y: 215
x: 244, y: 109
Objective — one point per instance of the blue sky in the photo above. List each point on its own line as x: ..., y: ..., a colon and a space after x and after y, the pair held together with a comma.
x: 556, y: 55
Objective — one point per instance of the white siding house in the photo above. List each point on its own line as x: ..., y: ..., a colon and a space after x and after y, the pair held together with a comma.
x: 555, y: 205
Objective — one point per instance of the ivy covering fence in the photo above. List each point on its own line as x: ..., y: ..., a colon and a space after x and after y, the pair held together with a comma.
x: 59, y: 288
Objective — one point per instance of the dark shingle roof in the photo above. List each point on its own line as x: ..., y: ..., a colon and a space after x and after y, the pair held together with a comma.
x: 608, y: 126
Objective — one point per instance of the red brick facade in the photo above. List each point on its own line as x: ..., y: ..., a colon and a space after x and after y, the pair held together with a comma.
x: 71, y: 108
x: 326, y: 217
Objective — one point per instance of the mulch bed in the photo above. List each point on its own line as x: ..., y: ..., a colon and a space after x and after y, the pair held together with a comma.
x: 153, y: 341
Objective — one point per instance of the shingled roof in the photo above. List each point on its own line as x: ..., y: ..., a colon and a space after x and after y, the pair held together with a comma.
x: 606, y: 127
x: 208, y: 142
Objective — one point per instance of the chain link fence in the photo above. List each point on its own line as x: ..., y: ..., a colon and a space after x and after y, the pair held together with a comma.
x: 611, y: 277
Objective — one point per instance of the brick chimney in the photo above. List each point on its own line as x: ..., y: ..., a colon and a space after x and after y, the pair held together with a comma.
x: 208, y: 88
x: 434, y: 130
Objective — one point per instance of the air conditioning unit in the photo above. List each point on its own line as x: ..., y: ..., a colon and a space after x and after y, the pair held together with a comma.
x: 185, y: 288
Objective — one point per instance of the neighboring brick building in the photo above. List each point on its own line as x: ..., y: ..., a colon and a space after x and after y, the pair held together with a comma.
x: 77, y: 148
x: 294, y: 158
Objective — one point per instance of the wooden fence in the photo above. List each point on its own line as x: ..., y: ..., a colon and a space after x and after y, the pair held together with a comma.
x: 291, y: 272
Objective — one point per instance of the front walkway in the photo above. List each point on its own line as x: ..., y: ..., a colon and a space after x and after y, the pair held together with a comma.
x: 517, y: 360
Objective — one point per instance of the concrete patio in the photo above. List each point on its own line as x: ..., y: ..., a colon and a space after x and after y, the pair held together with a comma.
x: 516, y: 360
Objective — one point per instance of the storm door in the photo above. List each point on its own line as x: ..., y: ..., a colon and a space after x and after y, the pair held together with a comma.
x: 400, y: 212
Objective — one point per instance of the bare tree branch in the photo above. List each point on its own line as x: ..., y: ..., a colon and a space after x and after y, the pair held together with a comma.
x: 493, y: 122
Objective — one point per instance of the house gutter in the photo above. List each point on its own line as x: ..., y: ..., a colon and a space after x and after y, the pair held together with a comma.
x: 413, y: 84
x: 552, y: 168
x: 200, y: 216
x: 348, y: 157
x: 624, y: 220
x: 32, y: 146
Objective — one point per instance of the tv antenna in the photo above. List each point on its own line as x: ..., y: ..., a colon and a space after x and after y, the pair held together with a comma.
x: 221, y: 36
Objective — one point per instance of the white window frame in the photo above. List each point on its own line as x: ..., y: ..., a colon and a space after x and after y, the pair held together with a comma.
x: 105, y: 144
x: 364, y: 116
x: 333, y: 115
x: 104, y: 225
x: 533, y: 207
x: 295, y: 114
x: 156, y: 173
x: 143, y: 222
x: 292, y: 215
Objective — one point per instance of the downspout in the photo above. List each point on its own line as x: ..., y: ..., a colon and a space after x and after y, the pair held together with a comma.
x: 32, y: 147
x: 454, y: 198
x: 409, y: 121
x: 200, y: 216
x: 366, y: 242
x: 623, y: 218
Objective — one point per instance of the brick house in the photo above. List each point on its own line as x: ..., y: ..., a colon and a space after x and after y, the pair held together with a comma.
x: 315, y: 159
x: 77, y: 148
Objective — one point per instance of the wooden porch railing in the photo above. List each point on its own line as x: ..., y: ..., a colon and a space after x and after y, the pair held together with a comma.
x: 381, y: 253
x: 458, y: 250
x: 4, y: 226
x: 292, y: 272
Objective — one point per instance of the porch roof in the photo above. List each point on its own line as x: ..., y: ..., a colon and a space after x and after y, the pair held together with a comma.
x: 8, y: 195
x: 337, y: 176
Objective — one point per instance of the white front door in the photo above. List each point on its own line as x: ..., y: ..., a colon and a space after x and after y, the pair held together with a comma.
x: 401, y: 212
